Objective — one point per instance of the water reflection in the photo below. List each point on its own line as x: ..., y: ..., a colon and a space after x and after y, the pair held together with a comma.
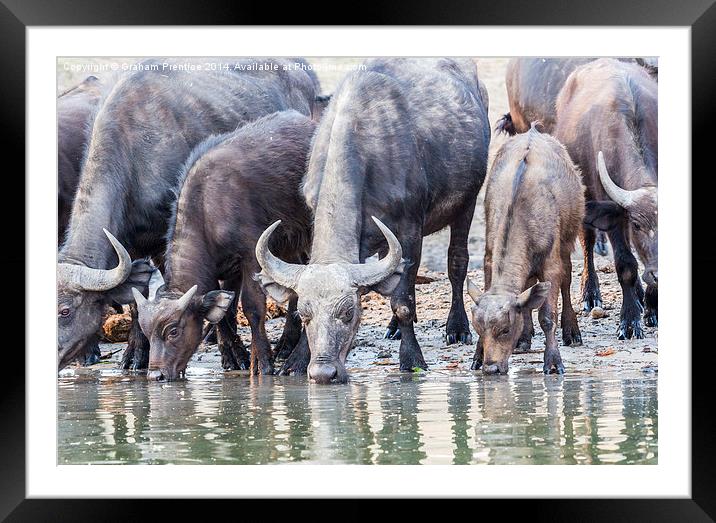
x: 439, y: 417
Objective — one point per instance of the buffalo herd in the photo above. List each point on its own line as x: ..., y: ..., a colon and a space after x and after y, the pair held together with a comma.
x: 244, y: 182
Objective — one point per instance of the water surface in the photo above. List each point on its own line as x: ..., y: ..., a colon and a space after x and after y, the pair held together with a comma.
x: 432, y: 418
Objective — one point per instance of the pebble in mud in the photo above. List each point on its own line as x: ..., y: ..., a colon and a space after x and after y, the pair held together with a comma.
x: 598, y: 312
x: 383, y: 353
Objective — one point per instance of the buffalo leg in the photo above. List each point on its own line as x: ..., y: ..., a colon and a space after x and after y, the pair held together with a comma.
x: 233, y: 353
x: 393, y: 332
x: 548, y: 321
x: 458, y: 328
x: 477, y: 358
x: 570, y: 328
x: 627, y: 269
x: 253, y: 304
x: 651, y: 305
x: 591, y: 297
x: 600, y: 245
x: 297, y: 362
x: 487, y: 272
x: 402, y: 301
x: 136, y: 355
x: 208, y: 334
x: 524, y: 343
x: 291, y: 332
x: 92, y: 353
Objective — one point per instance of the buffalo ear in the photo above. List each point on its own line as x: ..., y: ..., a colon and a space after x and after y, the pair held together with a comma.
x: 603, y: 215
x: 534, y: 297
x: 214, y: 305
x: 388, y: 285
x: 275, y: 291
x: 385, y: 287
x: 139, y: 278
x: 278, y: 293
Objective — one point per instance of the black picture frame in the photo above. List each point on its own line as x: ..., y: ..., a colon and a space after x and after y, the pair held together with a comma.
x: 17, y: 15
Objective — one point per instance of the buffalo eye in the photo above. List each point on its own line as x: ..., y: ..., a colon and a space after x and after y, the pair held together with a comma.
x: 171, y: 332
x: 64, y: 312
x: 346, y: 315
x: 504, y: 332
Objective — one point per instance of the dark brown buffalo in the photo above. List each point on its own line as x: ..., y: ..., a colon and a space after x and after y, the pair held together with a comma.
x: 75, y: 107
x: 534, y: 205
x: 607, y: 116
x: 235, y: 186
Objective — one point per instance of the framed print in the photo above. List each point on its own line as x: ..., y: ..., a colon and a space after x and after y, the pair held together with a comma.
x: 393, y: 261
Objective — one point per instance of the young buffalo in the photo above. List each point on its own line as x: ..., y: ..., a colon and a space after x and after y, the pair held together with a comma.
x: 534, y: 206
x: 236, y: 185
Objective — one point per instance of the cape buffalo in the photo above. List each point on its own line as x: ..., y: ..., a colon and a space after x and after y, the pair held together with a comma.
x: 142, y: 134
x: 75, y: 106
x: 406, y: 140
x: 235, y: 185
x: 534, y: 206
x: 607, y: 116
x: 533, y: 84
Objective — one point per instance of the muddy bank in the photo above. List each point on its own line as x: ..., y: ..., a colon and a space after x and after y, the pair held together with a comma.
x: 600, y: 350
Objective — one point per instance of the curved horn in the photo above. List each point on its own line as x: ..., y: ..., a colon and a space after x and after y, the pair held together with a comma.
x: 138, y: 297
x: 366, y: 274
x: 285, y: 274
x: 473, y: 290
x: 184, y: 301
x: 90, y: 279
x: 621, y: 196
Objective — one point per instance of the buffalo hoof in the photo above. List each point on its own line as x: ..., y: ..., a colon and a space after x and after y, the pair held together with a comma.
x: 264, y: 368
x: 629, y: 329
x: 297, y: 362
x: 92, y: 356
x: 591, y: 301
x: 552, y: 362
x: 651, y: 319
x: 600, y: 245
x: 294, y: 366
x: 571, y: 336
x: 464, y: 338
x: 591, y: 297
x: 476, y: 363
x: 284, y: 347
x: 234, y: 358
x: 392, y: 333
x: 135, y: 358
x: 139, y: 362
x: 477, y: 358
x: 411, y: 361
x: 523, y: 345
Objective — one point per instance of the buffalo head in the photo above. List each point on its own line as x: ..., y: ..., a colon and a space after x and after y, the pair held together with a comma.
x: 84, y: 292
x: 328, y: 299
x: 173, y: 326
x: 498, y: 319
x: 641, y: 209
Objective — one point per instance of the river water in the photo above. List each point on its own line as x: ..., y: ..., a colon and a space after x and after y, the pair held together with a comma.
x: 437, y: 417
